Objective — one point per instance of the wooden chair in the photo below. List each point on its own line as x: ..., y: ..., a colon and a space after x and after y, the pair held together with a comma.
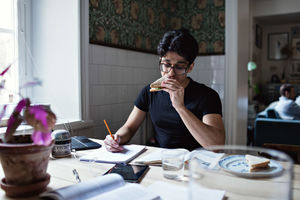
x: 292, y: 150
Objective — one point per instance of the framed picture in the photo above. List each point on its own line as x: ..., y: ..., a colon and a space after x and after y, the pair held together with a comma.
x: 296, y: 48
x: 276, y: 41
x: 294, y: 71
x: 258, y: 36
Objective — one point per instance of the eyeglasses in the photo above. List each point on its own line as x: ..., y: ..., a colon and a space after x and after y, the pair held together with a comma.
x: 178, y: 69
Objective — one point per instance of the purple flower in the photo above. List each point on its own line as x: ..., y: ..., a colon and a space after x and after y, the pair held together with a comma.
x: 42, y: 120
x: 39, y: 114
x: 40, y: 138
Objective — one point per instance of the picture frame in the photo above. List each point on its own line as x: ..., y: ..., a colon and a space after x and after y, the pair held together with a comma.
x: 258, y: 36
x: 294, y: 71
x: 296, y: 48
x: 276, y: 41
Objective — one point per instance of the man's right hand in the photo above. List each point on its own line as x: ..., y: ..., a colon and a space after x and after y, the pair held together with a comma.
x: 113, y: 145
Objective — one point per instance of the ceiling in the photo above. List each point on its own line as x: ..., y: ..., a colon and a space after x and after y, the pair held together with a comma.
x: 279, y: 19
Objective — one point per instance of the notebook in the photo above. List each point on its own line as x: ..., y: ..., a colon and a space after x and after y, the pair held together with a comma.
x: 83, y: 143
x: 103, y: 156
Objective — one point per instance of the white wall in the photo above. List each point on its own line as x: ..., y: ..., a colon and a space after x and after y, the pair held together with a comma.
x: 56, y: 55
x: 270, y: 67
x: 275, y: 7
x: 116, y: 76
x: 210, y: 70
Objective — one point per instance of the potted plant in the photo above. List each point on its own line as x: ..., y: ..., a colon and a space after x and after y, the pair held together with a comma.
x: 24, y: 158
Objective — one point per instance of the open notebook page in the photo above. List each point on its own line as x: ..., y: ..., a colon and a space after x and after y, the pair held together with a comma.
x: 86, y: 189
x: 154, y: 158
x: 102, y: 155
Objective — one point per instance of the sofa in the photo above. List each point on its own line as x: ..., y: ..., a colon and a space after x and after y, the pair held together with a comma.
x: 270, y: 128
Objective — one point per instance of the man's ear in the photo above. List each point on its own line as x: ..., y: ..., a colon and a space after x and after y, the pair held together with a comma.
x: 191, y: 67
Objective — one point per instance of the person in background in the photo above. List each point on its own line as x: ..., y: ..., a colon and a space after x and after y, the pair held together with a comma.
x: 297, y: 101
x: 185, y: 114
x: 286, y: 106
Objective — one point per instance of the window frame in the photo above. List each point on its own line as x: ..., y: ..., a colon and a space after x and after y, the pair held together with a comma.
x: 24, y: 8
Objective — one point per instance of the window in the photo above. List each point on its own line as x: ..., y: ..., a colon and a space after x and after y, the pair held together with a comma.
x: 9, y: 50
x: 45, y: 44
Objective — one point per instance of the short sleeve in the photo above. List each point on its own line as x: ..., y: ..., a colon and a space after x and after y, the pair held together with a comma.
x: 213, y: 103
x: 142, y: 101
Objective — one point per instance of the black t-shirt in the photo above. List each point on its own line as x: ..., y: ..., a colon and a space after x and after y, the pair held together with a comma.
x: 170, y: 131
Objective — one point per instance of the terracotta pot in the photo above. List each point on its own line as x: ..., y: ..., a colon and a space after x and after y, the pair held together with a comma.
x: 24, y: 163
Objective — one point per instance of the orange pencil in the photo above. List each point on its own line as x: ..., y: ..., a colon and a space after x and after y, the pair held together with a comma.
x: 108, y: 130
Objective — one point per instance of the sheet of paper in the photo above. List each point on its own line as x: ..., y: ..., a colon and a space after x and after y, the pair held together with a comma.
x: 131, y: 191
x: 151, y: 158
x: 209, y: 159
x: 104, y: 156
x: 169, y: 191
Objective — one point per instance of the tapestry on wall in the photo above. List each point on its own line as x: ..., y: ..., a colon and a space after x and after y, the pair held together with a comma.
x: 140, y: 24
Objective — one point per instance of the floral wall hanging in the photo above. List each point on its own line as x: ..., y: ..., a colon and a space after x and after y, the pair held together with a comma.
x: 140, y: 24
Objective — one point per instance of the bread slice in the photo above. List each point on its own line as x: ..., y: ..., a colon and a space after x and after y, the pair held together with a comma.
x: 156, y: 85
x: 256, y: 163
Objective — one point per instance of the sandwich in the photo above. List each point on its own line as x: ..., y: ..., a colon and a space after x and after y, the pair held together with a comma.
x: 156, y: 85
x: 255, y: 163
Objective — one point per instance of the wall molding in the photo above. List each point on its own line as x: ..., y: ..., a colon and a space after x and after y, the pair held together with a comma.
x: 84, y: 59
x: 236, y: 58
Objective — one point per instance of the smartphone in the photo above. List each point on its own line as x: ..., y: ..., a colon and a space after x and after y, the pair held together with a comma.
x: 130, y: 173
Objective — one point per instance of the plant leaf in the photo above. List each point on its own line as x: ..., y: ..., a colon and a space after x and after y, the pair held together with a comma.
x: 15, y: 120
x: 32, y: 83
x: 13, y: 123
x: 2, y: 83
x: 40, y: 138
x: 5, y: 70
x: 21, y: 105
x: 3, y: 111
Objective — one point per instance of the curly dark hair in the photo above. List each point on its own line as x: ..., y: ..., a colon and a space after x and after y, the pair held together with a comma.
x: 179, y: 41
x: 284, y: 88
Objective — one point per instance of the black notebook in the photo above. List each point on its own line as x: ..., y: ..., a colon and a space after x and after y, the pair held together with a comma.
x: 83, y: 143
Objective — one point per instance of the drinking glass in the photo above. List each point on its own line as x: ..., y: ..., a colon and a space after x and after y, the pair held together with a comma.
x: 173, y: 163
x: 231, y: 174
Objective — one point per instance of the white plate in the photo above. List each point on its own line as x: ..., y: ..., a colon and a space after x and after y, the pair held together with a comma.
x: 237, y: 165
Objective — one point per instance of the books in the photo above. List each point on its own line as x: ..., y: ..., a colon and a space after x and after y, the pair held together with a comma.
x: 206, y: 158
x: 83, y: 143
x: 154, y: 158
x: 103, y: 156
x: 108, y: 187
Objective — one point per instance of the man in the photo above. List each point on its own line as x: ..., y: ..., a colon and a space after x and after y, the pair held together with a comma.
x: 185, y: 114
x: 286, y: 106
x: 297, y: 101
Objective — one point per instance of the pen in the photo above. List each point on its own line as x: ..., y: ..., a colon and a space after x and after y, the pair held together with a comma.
x: 76, y: 175
x: 108, y: 130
